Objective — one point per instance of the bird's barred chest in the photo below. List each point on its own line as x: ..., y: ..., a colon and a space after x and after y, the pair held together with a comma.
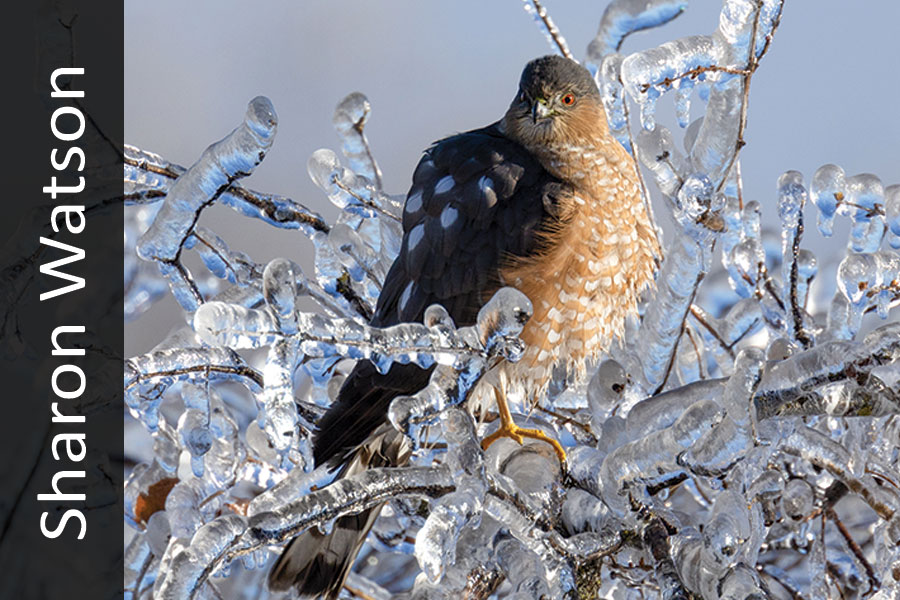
x: 590, y: 277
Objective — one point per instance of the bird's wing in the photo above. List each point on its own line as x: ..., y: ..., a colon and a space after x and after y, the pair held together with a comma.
x: 476, y: 199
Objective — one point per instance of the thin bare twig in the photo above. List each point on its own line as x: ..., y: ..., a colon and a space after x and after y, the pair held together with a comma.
x: 568, y: 420
x: 698, y: 351
x: 874, y: 583
x: 693, y: 73
x: 703, y: 319
x: 769, y: 571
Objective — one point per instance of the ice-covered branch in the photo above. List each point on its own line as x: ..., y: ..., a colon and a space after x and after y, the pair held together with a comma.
x: 624, y: 17
x: 148, y: 178
x: 350, y: 118
x: 741, y: 443
x: 232, y: 536
x: 232, y: 157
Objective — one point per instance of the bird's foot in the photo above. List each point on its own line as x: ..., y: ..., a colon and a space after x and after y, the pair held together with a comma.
x: 518, y: 434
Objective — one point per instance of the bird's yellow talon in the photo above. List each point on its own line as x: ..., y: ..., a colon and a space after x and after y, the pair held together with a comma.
x: 509, y: 429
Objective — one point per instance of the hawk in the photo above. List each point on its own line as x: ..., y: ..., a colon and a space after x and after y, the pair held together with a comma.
x: 545, y: 200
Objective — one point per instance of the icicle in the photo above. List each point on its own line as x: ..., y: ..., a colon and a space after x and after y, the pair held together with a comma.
x: 865, y: 193
x: 348, y: 191
x: 644, y: 73
x: 892, y: 213
x: 183, y: 577
x: 857, y: 277
x: 683, y: 101
x: 828, y: 191
x: 609, y: 78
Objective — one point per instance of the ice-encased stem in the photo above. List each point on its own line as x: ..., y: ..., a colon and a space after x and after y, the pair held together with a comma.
x: 546, y: 24
x: 791, y: 201
x: 234, y: 156
x: 167, y: 366
x: 149, y: 177
x: 621, y: 18
x: 234, y: 326
x: 436, y: 542
x: 790, y: 380
x: 348, y: 495
x: 682, y: 272
x: 190, y: 567
x: 349, y: 120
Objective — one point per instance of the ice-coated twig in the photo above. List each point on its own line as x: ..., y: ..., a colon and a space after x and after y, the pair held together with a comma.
x: 621, y: 18
x: 655, y: 538
x: 789, y: 387
x: 705, y: 484
x: 148, y: 177
x: 681, y: 274
x: 365, y: 588
x: 167, y: 366
x: 232, y: 157
x: 554, y: 37
x: 825, y: 453
x: 229, y: 537
x: 190, y: 567
x: 349, y: 119
x: 497, y: 328
x: 874, y: 583
x: 791, y: 200
x: 346, y: 189
x: 238, y: 327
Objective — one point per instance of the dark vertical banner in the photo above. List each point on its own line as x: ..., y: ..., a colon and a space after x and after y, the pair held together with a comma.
x: 61, y: 334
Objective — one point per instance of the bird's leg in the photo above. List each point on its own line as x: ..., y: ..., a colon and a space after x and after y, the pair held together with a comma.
x: 508, y: 427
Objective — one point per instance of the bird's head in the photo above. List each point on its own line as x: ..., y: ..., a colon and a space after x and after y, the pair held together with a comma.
x: 557, y: 100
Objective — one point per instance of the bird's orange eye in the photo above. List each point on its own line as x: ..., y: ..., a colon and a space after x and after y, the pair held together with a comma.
x: 568, y: 99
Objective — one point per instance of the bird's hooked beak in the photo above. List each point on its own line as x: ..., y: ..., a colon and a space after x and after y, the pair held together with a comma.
x: 540, y: 109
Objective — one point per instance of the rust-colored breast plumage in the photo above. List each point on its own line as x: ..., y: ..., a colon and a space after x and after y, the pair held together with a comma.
x: 594, y: 265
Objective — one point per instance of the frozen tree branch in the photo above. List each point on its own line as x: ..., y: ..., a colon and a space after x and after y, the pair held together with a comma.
x: 739, y: 438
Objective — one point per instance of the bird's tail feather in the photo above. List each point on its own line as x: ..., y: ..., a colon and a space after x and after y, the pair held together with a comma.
x: 317, y: 564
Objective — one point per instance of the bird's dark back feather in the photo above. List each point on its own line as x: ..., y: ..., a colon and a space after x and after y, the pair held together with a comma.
x: 476, y: 199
